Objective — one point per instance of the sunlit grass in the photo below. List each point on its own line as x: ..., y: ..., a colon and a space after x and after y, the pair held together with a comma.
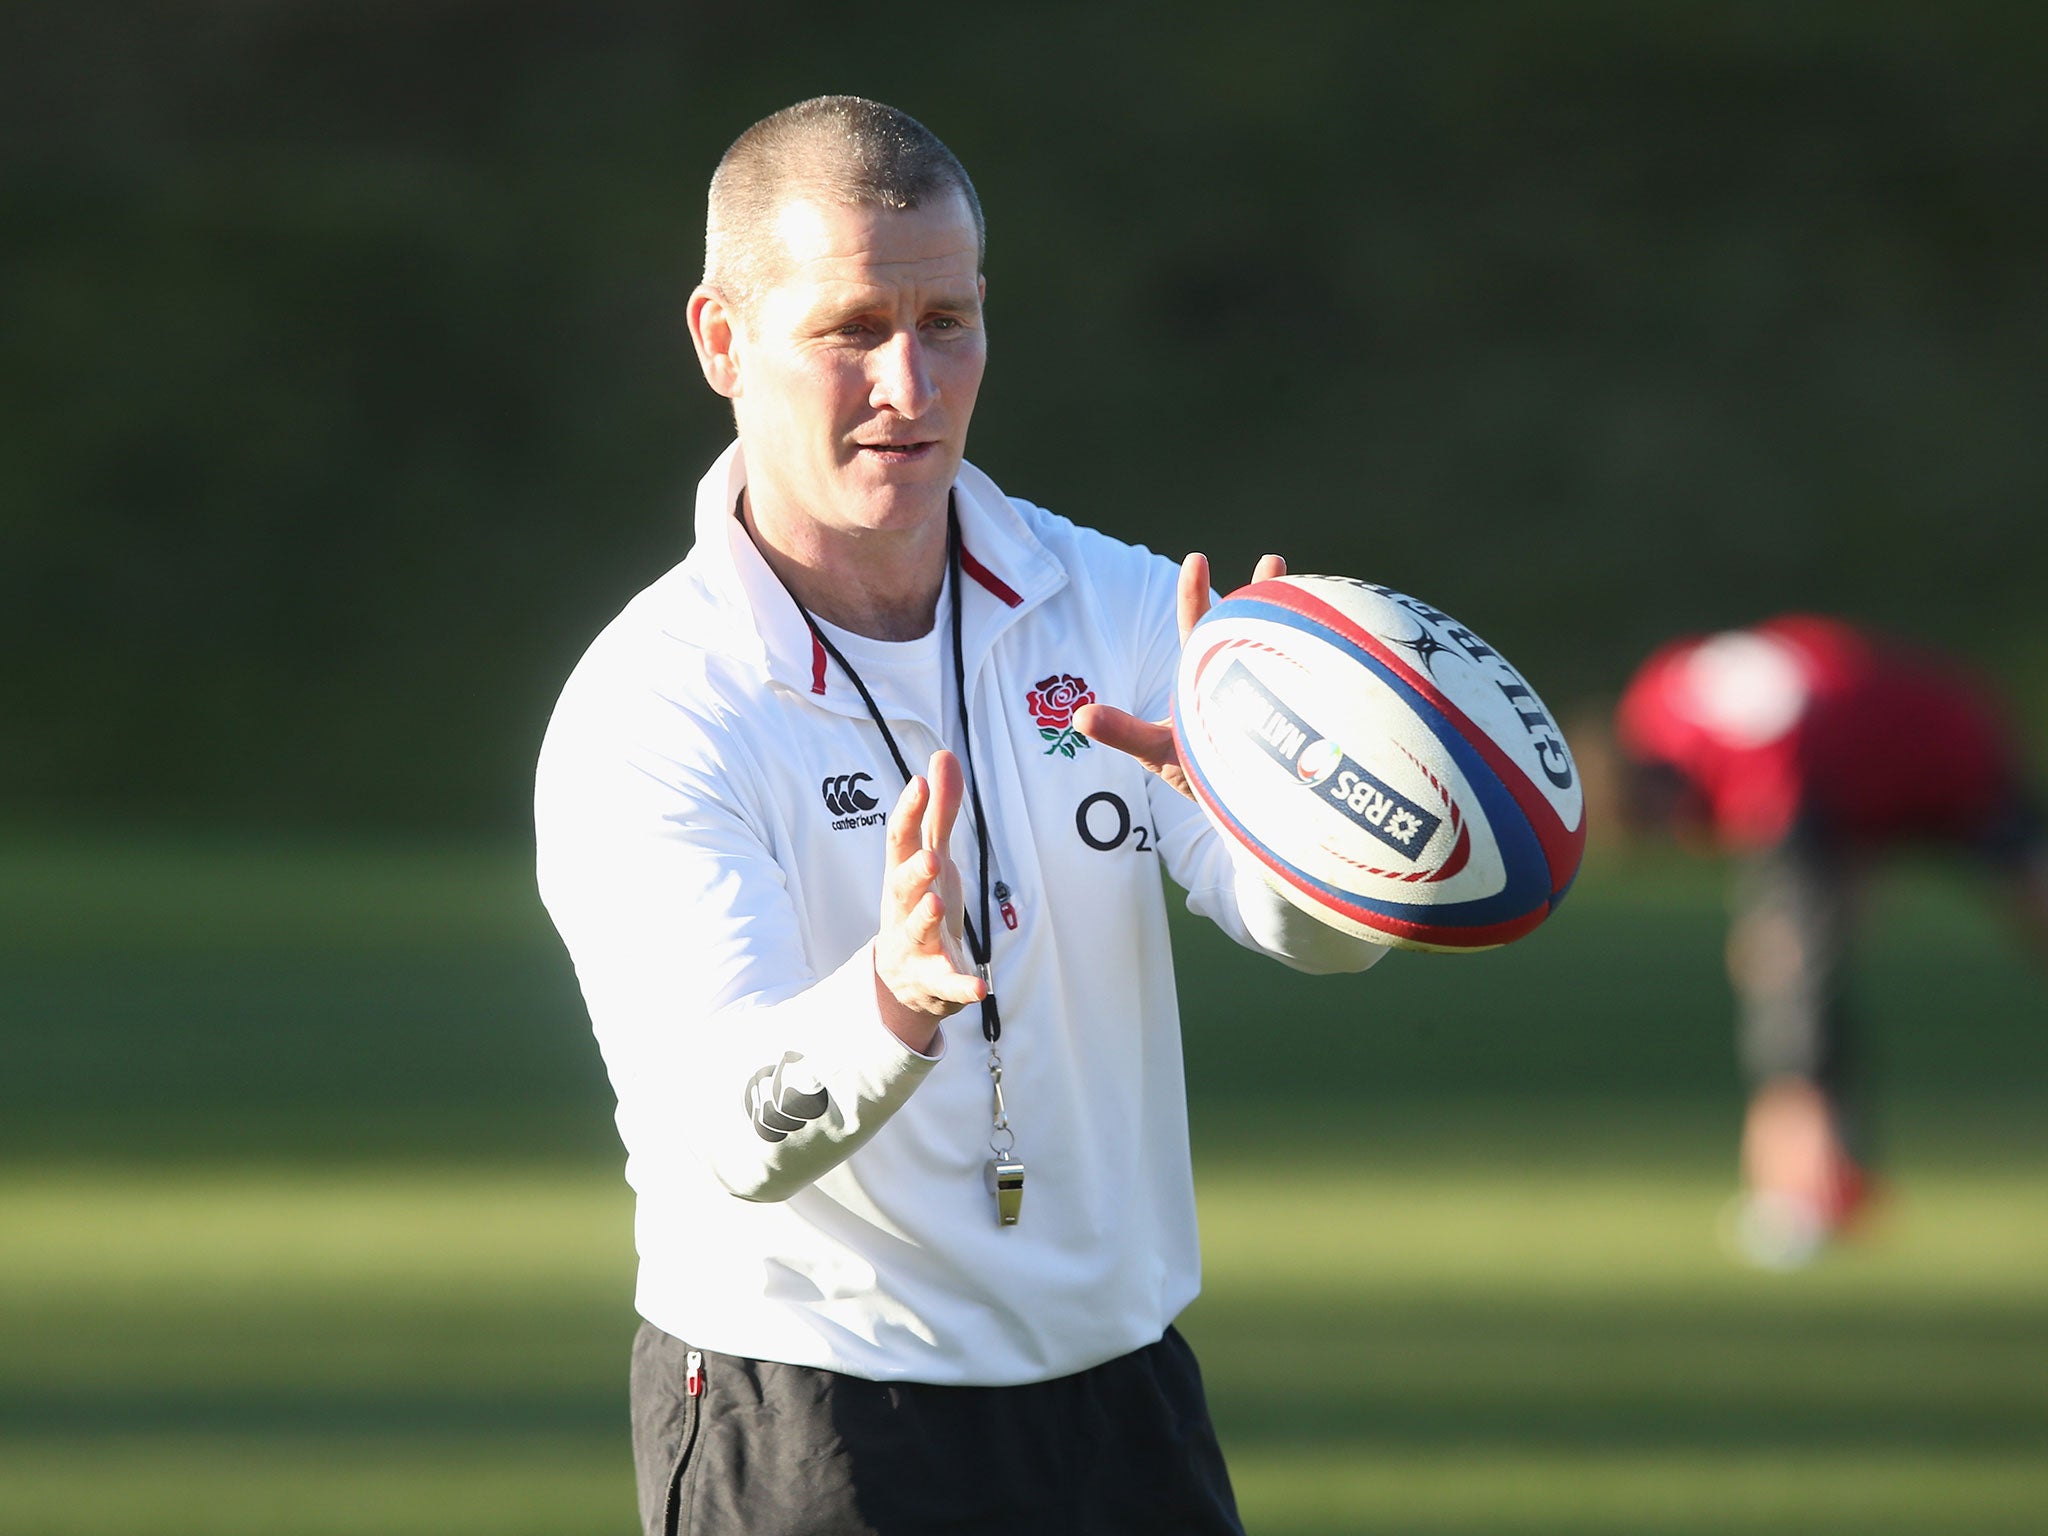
x: 311, y: 1221
x: 1391, y: 1344
x: 1447, y: 1339
x: 1463, y: 1492
x: 213, y: 1484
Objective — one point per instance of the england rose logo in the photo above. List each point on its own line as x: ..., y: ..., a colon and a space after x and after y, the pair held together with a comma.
x: 1053, y: 701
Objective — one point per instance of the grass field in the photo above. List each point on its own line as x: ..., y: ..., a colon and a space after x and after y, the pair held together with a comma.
x: 311, y: 1220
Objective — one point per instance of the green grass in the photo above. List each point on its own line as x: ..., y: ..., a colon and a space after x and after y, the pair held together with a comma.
x: 311, y: 1221
x: 1389, y: 1347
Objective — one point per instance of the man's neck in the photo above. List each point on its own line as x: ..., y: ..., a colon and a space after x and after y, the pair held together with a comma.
x: 882, y: 586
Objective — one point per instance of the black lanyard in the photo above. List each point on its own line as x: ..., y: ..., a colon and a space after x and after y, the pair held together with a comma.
x: 979, y: 941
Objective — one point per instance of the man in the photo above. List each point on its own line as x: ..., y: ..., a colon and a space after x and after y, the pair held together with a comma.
x: 896, y: 1051
x: 1811, y: 747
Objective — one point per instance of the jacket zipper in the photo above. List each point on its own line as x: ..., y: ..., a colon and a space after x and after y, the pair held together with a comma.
x: 693, y: 1385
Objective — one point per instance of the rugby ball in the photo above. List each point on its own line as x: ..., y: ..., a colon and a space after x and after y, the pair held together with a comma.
x: 1390, y: 772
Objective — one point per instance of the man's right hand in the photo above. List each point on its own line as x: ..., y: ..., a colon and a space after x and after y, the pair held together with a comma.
x: 923, y: 973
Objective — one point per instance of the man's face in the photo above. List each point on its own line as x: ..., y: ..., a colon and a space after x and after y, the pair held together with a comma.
x: 857, y: 369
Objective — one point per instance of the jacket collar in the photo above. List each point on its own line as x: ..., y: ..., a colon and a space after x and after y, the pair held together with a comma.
x: 1006, y: 573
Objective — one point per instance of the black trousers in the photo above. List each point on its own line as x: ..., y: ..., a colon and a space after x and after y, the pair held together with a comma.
x: 1795, y: 907
x: 781, y: 1450
x: 1795, y: 914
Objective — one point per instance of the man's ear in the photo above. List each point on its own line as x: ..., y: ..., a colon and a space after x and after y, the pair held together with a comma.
x: 716, y: 338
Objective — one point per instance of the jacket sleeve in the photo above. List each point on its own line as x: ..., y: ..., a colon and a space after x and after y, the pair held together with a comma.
x: 1223, y: 885
x: 723, y: 1038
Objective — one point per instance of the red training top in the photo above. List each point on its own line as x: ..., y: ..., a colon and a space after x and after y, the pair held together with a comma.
x: 1805, y: 715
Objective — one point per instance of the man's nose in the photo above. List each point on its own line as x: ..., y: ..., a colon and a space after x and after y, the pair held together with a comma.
x: 902, y: 376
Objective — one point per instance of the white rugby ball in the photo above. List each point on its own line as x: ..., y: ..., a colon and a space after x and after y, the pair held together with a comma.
x: 1392, y: 774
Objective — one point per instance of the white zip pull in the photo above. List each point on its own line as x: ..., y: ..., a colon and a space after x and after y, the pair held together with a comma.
x: 693, y: 1373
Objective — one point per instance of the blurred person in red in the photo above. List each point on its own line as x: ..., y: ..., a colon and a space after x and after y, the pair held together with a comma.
x: 1809, y: 748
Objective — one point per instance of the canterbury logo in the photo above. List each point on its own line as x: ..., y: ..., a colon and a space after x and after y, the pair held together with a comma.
x: 844, y: 795
x: 784, y: 1098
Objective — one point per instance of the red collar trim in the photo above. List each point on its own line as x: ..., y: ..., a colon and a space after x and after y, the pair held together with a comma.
x: 988, y: 578
x: 817, y: 665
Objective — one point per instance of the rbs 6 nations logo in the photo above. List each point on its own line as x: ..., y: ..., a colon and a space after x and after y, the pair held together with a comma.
x: 846, y: 800
x: 1320, y: 764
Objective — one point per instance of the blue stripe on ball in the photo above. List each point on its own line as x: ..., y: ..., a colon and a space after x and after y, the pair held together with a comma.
x: 1526, y: 867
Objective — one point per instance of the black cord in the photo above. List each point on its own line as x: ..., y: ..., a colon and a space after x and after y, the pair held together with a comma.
x: 977, y: 946
x: 991, y: 1017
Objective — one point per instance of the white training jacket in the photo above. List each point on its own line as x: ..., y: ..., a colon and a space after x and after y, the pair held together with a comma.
x: 710, y: 807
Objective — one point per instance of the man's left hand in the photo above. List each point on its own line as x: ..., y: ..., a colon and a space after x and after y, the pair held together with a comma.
x: 1151, y: 741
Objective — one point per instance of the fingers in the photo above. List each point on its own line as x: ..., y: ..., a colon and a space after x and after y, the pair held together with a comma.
x: 1192, y: 598
x: 926, y: 979
x: 919, y: 976
x: 908, y: 883
x: 921, y: 911
x: 919, y: 830
x: 901, y: 840
x: 921, y: 971
x: 911, y: 869
x: 917, y: 986
x: 925, y: 920
x: 948, y: 786
x: 1150, y: 742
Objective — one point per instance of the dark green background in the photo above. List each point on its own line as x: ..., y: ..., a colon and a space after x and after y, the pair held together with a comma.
x: 346, y: 392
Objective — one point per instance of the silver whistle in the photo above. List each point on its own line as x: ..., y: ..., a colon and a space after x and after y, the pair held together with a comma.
x: 1005, y: 1179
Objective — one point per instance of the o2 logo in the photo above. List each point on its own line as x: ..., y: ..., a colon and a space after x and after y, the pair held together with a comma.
x: 1105, y: 824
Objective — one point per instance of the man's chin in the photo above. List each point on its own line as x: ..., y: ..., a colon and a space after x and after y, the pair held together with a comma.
x: 899, y: 497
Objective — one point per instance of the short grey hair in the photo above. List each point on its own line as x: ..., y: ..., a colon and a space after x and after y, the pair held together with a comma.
x: 843, y: 150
